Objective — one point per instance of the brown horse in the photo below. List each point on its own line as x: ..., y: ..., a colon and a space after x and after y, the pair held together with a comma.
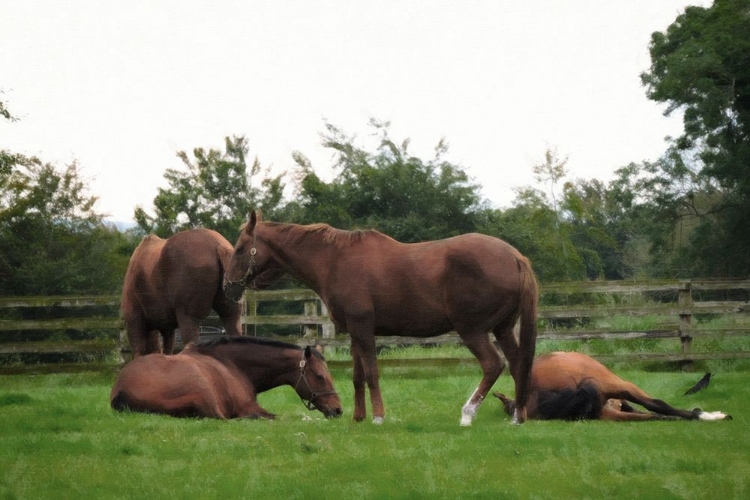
x: 221, y: 378
x: 573, y: 386
x: 374, y: 285
x: 175, y: 283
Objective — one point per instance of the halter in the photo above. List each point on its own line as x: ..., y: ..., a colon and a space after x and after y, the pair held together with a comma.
x: 309, y: 403
x: 243, y: 281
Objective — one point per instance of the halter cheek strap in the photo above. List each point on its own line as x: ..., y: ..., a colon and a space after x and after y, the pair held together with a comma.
x: 250, y: 266
x: 309, y: 403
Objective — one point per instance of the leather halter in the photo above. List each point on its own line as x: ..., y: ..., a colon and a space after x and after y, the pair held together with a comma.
x: 250, y: 266
x: 310, y: 402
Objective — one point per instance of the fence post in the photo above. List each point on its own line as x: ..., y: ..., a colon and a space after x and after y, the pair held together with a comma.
x: 685, y: 303
x: 311, y: 309
x: 250, y: 308
x: 329, y: 330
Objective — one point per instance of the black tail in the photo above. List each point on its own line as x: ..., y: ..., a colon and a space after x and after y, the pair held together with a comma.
x: 582, y: 403
x: 119, y: 402
x: 702, y: 384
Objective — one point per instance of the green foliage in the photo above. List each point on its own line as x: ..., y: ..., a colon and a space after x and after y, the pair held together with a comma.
x: 214, y: 191
x: 51, y: 239
x: 390, y: 190
x: 701, y: 65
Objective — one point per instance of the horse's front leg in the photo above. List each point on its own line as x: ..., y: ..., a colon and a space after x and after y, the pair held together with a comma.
x: 363, y: 347
x: 358, y: 379
x: 492, y: 366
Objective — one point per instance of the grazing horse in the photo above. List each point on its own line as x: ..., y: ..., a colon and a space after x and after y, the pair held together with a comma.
x: 221, y: 378
x: 175, y: 283
x: 373, y: 285
x: 573, y: 386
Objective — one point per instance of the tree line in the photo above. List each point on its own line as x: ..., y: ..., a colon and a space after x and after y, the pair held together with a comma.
x: 684, y: 215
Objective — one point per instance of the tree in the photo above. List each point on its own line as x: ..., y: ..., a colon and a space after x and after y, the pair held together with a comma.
x: 389, y: 189
x: 215, y: 191
x: 701, y: 65
x: 51, y: 239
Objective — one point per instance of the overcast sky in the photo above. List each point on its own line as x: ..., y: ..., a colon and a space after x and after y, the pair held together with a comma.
x: 123, y: 86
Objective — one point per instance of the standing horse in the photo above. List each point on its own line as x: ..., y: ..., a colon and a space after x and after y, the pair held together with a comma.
x: 374, y: 285
x: 573, y: 386
x: 175, y: 283
x: 221, y: 378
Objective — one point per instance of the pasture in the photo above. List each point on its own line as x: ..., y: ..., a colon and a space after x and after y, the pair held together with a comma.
x: 60, y: 439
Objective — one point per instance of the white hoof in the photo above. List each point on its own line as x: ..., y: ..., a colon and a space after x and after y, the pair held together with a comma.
x: 378, y: 420
x: 712, y: 415
x: 466, y: 421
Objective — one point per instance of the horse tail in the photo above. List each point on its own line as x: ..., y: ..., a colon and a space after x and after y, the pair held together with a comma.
x: 120, y: 402
x: 529, y: 297
x: 582, y: 403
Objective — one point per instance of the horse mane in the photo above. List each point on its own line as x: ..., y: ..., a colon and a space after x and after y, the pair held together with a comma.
x: 234, y: 340
x: 341, y: 238
x: 582, y: 403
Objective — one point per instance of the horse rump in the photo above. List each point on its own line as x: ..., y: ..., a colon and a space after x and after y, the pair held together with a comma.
x: 582, y: 403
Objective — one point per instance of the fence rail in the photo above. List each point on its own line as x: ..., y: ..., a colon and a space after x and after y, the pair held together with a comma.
x: 571, y: 302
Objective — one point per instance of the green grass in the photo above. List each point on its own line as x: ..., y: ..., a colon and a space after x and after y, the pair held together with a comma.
x: 59, y: 439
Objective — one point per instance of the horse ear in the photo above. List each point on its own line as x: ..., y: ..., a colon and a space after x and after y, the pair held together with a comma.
x: 308, y: 351
x: 254, y: 219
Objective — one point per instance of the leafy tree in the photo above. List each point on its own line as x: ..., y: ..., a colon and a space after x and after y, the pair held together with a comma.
x: 594, y: 231
x: 215, y: 191
x: 701, y: 65
x: 404, y: 196
x: 51, y: 239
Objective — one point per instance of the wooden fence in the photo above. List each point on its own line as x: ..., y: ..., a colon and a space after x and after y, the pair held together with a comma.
x: 565, y: 312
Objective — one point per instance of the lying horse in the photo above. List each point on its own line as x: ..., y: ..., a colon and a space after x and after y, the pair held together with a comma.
x: 373, y: 285
x: 175, y: 283
x: 573, y: 386
x: 221, y: 378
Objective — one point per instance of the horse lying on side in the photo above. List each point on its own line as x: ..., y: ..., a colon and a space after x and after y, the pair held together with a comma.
x: 221, y: 378
x: 573, y: 386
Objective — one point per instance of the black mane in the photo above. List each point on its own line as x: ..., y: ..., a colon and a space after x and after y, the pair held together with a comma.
x: 226, y: 339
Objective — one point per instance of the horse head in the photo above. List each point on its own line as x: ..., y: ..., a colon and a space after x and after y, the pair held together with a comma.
x: 315, y: 385
x: 246, y: 268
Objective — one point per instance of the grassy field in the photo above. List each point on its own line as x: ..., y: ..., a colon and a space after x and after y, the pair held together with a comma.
x: 59, y: 439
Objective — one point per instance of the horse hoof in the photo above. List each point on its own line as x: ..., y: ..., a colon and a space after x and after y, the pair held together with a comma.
x: 378, y: 420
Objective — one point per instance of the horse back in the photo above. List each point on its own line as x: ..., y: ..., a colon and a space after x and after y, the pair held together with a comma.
x: 425, y: 288
x: 187, y: 384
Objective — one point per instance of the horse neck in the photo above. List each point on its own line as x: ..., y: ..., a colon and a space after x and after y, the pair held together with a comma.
x: 307, y: 259
x: 267, y: 367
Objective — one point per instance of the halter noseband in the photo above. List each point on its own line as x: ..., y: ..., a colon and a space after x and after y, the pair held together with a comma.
x: 309, y: 403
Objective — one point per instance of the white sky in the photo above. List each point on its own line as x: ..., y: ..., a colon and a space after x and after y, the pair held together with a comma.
x: 122, y: 86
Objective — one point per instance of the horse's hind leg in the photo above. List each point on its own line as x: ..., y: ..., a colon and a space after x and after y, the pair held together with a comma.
x: 168, y: 341
x: 631, y: 392
x: 151, y: 342
x: 492, y: 366
x: 230, y: 314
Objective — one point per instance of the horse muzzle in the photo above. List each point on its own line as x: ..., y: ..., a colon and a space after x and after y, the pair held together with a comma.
x: 333, y: 412
x: 234, y: 290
